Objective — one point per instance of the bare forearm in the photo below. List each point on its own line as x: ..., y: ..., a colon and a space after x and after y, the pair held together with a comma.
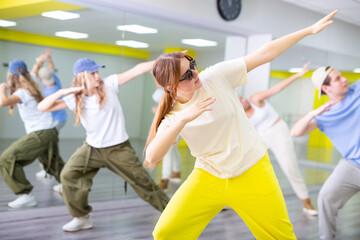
x: 51, y: 64
x: 3, y: 97
x: 304, y: 125
x: 276, y: 47
x: 160, y: 145
x: 36, y: 67
x: 283, y: 84
x: 48, y: 102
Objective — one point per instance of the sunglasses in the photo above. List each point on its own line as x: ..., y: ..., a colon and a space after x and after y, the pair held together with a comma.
x: 188, y: 75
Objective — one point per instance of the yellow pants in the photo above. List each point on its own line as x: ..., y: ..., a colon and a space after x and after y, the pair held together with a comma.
x: 255, y: 195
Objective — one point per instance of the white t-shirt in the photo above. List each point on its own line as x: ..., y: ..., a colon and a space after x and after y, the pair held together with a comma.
x: 223, y: 141
x: 263, y: 118
x: 104, y: 127
x: 33, y: 119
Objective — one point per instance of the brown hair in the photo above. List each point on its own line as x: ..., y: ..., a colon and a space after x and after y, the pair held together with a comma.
x: 166, y: 71
x: 79, y: 81
x: 23, y: 81
x: 326, y: 81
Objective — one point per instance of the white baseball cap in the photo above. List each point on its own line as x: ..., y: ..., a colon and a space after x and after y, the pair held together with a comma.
x: 319, y: 75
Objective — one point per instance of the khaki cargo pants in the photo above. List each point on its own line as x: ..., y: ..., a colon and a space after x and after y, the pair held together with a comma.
x: 83, y: 165
x: 41, y: 144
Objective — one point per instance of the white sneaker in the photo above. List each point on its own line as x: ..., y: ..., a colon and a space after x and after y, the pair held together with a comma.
x: 311, y: 212
x: 24, y: 200
x: 175, y: 180
x: 78, y: 224
x: 57, y: 188
x: 41, y: 174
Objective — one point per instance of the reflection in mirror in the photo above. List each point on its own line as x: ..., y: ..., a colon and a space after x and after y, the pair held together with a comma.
x: 135, y: 97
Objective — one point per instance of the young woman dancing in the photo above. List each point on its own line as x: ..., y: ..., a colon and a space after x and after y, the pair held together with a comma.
x: 40, y: 141
x: 96, y: 105
x: 232, y: 167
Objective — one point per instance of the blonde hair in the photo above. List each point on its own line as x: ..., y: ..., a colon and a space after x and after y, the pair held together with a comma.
x: 80, y: 81
x: 166, y: 71
x: 23, y: 81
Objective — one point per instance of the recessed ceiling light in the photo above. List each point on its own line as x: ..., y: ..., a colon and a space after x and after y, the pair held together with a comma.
x: 61, y: 15
x: 131, y: 43
x: 137, y: 29
x: 199, y: 42
x: 295, y: 70
x: 356, y: 70
x: 73, y: 35
x: 4, y: 23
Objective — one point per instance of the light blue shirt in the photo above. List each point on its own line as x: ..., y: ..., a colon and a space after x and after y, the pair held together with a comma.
x: 342, y: 124
x: 61, y: 114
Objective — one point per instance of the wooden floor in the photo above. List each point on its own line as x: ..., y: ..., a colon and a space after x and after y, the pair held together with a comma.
x: 120, y: 216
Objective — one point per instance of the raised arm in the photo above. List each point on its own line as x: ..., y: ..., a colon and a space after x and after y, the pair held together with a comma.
x: 273, y: 49
x: 307, y: 124
x: 39, y: 62
x: 134, y: 72
x: 54, y: 103
x: 49, y: 60
x: 161, y: 143
x: 259, y: 97
x: 6, y: 100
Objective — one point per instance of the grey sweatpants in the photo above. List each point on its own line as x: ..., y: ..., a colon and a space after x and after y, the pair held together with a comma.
x: 342, y: 184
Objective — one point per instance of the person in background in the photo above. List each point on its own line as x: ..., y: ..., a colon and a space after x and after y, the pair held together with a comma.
x: 276, y: 134
x: 40, y: 141
x: 339, y: 120
x: 96, y: 106
x: 50, y: 84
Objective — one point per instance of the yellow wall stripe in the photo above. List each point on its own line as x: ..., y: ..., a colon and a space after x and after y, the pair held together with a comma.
x: 190, y: 52
x: 47, y: 41
x: 28, y: 8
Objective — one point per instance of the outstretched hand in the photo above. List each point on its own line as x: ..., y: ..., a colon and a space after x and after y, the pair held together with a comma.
x: 322, y: 23
x: 326, y: 107
x: 197, y: 109
x: 4, y: 86
x: 305, y: 68
x: 48, y: 52
x: 41, y: 59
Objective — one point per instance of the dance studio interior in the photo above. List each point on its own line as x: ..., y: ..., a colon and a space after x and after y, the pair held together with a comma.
x: 120, y: 35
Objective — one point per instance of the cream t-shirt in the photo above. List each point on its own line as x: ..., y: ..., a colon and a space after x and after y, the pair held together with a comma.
x: 223, y: 141
x: 104, y: 127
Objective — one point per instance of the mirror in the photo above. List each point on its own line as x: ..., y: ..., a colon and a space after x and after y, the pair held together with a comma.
x: 135, y: 96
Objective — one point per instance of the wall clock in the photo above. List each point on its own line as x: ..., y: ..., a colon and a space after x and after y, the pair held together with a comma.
x: 229, y: 9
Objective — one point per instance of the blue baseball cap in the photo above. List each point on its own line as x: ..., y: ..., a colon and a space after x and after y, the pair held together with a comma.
x: 17, y: 67
x: 86, y: 64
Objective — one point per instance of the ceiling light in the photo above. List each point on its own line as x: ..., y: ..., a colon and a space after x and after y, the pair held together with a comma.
x: 131, y: 43
x: 295, y: 70
x: 199, y: 42
x: 4, y: 23
x: 61, y: 15
x: 137, y: 29
x: 73, y: 35
x: 356, y: 70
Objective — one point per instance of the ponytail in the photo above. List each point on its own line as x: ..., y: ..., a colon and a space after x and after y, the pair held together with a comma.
x: 167, y: 74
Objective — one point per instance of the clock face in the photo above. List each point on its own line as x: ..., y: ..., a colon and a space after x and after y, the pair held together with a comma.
x: 229, y: 9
